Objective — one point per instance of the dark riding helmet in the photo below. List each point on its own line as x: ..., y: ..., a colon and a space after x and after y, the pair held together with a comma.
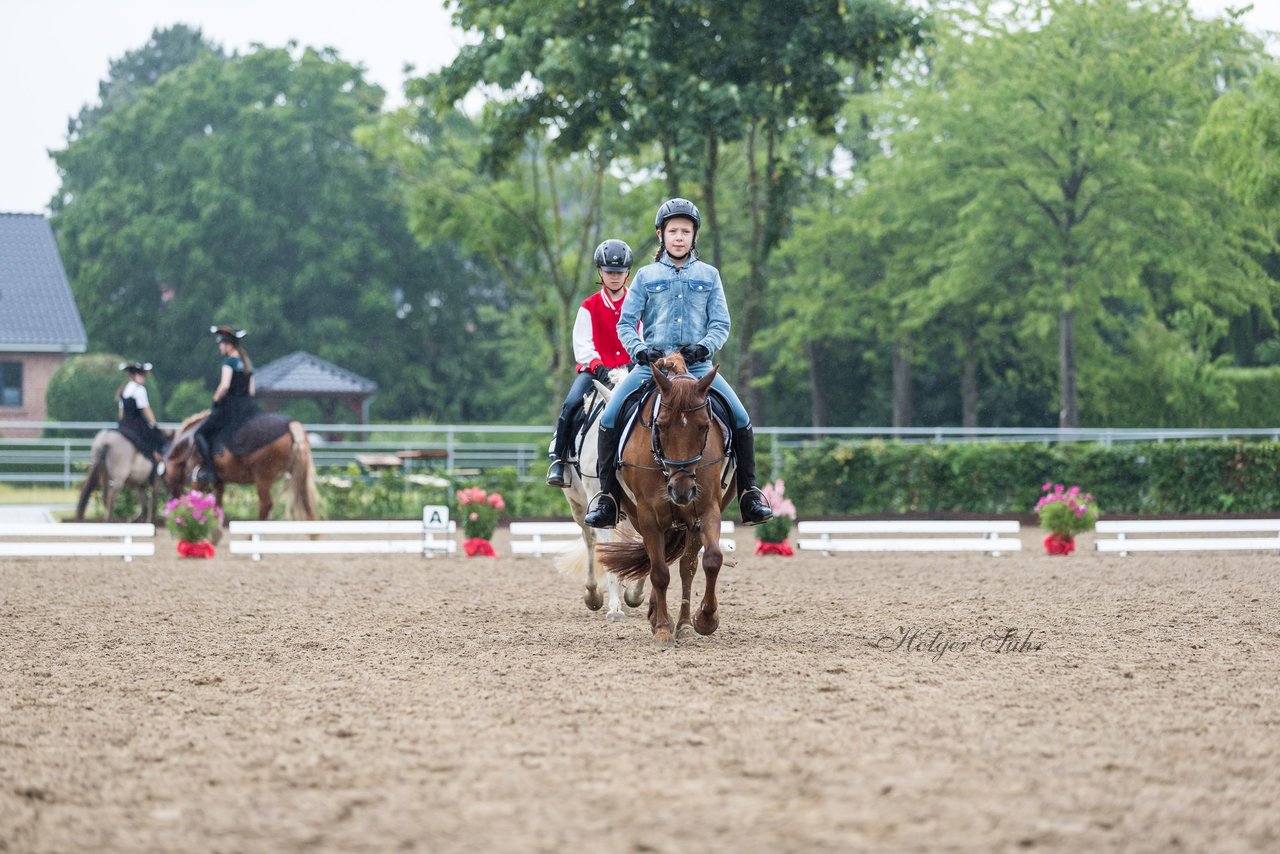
x: 227, y: 333
x: 136, y: 367
x: 677, y: 207
x: 613, y: 256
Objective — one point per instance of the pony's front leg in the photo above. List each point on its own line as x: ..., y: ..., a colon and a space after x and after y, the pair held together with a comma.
x: 615, y: 613
x: 708, y: 617
x: 659, y: 578
x: 592, y: 597
x: 688, y: 568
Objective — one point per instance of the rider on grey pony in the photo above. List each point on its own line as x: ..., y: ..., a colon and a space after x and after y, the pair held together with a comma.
x: 679, y: 303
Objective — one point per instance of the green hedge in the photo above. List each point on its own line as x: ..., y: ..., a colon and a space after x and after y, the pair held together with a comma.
x: 845, y: 478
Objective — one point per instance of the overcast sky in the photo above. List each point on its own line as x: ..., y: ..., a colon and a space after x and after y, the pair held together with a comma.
x: 53, y: 53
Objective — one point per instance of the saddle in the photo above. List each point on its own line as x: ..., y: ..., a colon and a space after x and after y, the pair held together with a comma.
x: 634, y: 405
x: 256, y: 433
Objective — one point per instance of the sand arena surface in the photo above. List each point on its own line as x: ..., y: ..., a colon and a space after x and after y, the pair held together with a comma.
x: 390, y: 702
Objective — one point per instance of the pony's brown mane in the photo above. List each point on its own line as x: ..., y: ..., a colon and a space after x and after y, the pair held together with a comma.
x: 682, y: 393
x: 191, y: 419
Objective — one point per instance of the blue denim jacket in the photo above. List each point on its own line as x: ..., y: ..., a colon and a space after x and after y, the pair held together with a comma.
x: 675, y: 307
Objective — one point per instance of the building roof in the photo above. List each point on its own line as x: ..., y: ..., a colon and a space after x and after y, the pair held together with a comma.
x: 301, y: 373
x: 37, y: 311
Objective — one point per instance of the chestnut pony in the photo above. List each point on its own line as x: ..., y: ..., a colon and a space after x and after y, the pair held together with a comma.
x: 289, y: 454
x: 673, y: 473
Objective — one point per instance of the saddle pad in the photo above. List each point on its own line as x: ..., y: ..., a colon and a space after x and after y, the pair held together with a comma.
x: 258, y: 432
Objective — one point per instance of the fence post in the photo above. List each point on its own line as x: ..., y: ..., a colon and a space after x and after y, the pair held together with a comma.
x: 66, y: 463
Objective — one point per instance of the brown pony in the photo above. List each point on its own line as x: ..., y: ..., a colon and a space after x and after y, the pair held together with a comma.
x: 673, y: 474
x: 289, y: 454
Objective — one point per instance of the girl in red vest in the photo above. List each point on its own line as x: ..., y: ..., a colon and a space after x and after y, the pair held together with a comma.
x: 596, y: 347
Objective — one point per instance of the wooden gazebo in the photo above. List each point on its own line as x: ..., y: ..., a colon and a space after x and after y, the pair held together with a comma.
x: 303, y: 375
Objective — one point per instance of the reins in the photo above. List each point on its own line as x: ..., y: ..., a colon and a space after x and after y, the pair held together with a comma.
x: 665, y: 465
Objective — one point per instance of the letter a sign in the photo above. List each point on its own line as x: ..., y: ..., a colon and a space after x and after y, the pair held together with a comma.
x: 435, y: 517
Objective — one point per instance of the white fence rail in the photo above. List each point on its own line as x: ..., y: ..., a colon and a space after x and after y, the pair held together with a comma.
x: 29, y: 458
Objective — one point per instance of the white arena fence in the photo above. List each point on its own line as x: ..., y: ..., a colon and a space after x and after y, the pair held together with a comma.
x: 433, y: 534
x: 28, y: 457
x: 78, y: 539
x: 909, y: 536
x: 547, y: 538
x: 1178, y: 535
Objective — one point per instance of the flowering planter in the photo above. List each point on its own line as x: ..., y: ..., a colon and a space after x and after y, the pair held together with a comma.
x: 203, y: 548
x: 1058, y: 545
x: 478, y: 547
x: 782, y: 549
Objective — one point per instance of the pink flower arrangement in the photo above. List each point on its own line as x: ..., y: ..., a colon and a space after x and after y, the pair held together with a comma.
x: 1065, y: 512
x: 479, y: 511
x: 193, y: 516
x: 772, y: 535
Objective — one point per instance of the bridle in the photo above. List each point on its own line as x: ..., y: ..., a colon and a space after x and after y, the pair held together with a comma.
x: 665, y: 464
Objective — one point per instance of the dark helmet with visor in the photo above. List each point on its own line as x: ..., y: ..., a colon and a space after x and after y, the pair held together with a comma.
x: 677, y: 207
x: 613, y: 256
x: 136, y: 367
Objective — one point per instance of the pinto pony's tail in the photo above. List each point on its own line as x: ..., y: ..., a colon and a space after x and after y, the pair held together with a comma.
x: 302, y: 501
x: 629, y: 559
x: 97, y: 474
x: 572, y: 562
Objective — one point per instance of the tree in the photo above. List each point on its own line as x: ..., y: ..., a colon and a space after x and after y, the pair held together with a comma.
x: 137, y: 70
x: 603, y: 77
x: 233, y: 191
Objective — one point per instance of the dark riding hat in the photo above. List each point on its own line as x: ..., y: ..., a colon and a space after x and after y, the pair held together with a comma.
x: 672, y: 208
x: 613, y: 256
x: 135, y: 367
x: 228, y: 333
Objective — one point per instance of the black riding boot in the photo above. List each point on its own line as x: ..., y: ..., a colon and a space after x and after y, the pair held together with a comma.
x: 604, y: 514
x: 751, y: 501
x: 556, y: 474
x: 206, y: 473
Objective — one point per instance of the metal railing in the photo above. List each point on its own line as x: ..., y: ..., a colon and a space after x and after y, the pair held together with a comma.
x: 464, y: 449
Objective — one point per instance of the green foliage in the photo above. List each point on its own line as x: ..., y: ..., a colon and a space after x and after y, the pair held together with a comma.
x: 1257, y: 395
x: 1066, y: 511
x: 85, y: 388
x: 1140, y: 478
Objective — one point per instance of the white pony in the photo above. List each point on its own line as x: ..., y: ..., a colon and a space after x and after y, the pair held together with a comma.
x: 584, y: 483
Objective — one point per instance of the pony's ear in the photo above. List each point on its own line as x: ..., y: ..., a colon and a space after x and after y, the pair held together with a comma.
x: 664, y: 384
x: 705, y: 382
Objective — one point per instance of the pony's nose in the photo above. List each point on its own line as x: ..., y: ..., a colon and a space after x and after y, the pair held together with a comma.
x: 681, y: 497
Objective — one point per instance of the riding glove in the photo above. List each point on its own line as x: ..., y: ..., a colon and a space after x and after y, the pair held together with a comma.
x: 647, y: 355
x: 695, y: 353
x: 601, y: 373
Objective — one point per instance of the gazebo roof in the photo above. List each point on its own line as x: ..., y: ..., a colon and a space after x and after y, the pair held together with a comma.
x: 301, y: 373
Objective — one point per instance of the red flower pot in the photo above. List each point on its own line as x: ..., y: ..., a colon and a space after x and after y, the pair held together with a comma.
x: 479, y: 547
x: 203, y: 548
x: 1056, y: 545
x: 783, y: 548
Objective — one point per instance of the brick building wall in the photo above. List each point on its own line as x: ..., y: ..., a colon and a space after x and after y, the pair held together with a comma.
x: 37, y: 370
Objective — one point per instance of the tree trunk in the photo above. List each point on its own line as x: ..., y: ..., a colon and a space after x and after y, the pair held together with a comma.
x: 748, y: 313
x: 969, y: 389
x: 902, y: 404
x: 710, y: 219
x: 817, y: 394
x: 1069, y: 414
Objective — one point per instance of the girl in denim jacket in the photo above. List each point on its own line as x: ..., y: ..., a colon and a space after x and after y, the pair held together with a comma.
x: 678, y: 302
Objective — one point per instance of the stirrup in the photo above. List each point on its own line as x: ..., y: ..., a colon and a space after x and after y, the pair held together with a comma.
x: 763, y: 504
x: 556, y: 475
x: 599, y: 514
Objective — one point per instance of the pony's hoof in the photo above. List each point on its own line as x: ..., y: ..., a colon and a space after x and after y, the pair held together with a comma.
x: 594, y: 599
x: 706, y: 625
x: 633, y: 600
x: 684, y: 631
x: 614, y: 617
x: 662, y: 639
